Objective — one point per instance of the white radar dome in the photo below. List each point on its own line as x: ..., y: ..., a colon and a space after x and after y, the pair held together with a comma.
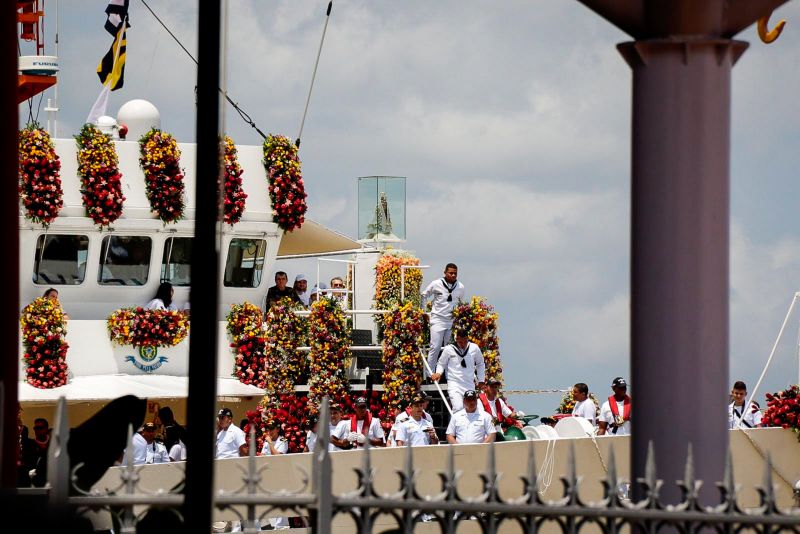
x: 139, y: 116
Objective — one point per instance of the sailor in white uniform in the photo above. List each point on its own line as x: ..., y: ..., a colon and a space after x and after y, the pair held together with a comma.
x: 469, y: 425
x: 463, y: 361
x: 231, y: 441
x: 146, y: 450
x: 275, y: 444
x: 445, y: 294
x: 416, y: 429
x: 752, y: 417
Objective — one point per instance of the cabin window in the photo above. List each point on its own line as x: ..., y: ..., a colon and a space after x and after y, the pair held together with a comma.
x: 176, y: 261
x: 245, y: 262
x: 124, y: 260
x: 60, y: 259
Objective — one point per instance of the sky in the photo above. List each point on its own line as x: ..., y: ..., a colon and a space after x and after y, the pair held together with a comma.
x: 511, y: 122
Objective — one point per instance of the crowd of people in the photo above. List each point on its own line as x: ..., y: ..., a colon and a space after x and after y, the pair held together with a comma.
x: 300, y: 293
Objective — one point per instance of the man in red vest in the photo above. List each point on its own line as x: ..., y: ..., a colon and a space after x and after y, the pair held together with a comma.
x: 615, y: 415
x: 490, y: 402
x: 364, y: 427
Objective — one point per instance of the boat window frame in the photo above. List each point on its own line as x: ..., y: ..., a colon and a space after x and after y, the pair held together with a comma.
x: 164, y: 267
x: 104, y: 256
x: 261, y: 246
x: 39, y: 257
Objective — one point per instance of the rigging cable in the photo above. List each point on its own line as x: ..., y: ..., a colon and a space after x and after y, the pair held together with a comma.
x: 313, y: 74
x: 245, y: 117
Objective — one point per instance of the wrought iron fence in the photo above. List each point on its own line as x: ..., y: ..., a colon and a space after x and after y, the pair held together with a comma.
x: 316, y: 502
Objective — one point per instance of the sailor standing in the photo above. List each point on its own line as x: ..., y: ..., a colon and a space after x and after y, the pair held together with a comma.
x: 463, y: 361
x: 615, y: 415
x: 752, y: 417
x: 444, y: 293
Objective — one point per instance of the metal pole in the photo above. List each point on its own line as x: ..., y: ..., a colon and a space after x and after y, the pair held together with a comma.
x: 204, y: 296
x: 681, y: 59
x: 9, y: 242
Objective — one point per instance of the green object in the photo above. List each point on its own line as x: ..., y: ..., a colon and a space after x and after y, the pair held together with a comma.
x: 514, y: 434
x: 499, y: 437
x: 528, y: 418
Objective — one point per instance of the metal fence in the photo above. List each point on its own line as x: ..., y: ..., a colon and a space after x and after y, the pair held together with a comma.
x: 316, y: 502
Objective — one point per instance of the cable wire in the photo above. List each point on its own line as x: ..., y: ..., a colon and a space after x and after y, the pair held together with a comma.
x: 242, y: 113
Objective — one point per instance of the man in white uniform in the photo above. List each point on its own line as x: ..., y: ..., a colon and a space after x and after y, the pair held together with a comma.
x: 416, y: 430
x: 615, y: 415
x: 231, y: 441
x: 469, y: 425
x: 405, y: 414
x: 311, y: 435
x: 364, y: 427
x: 463, y: 360
x: 445, y: 294
x: 146, y: 450
x: 584, y: 405
x: 339, y: 430
x: 752, y: 417
x: 492, y: 404
x: 274, y: 443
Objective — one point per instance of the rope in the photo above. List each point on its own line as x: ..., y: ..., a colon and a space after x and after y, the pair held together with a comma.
x: 547, y: 467
x: 597, y: 448
x: 760, y: 451
x: 430, y: 372
x: 532, y: 391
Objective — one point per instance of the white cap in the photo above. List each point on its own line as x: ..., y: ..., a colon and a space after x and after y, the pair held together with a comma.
x: 300, y: 277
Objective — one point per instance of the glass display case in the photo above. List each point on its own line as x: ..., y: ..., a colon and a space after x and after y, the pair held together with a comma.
x: 382, y: 209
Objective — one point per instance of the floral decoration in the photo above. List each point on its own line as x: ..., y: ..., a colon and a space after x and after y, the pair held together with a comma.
x: 404, y: 333
x: 388, y: 282
x: 235, y: 197
x: 101, y: 185
x: 147, y: 328
x: 286, y: 189
x: 160, y: 160
x: 285, y: 331
x: 329, y: 339
x: 43, y: 331
x: 783, y: 410
x: 245, y: 329
x: 39, y: 180
x: 480, y: 319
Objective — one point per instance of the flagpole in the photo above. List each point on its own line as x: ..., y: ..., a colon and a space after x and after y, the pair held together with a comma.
x: 100, y: 106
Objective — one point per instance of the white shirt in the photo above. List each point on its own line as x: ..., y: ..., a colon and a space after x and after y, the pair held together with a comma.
x: 178, y: 452
x: 139, y: 450
x: 304, y: 297
x: 414, y: 432
x: 398, y: 420
x: 311, y: 440
x: 442, y: 309
x: 375, y: 431
x: 158, y: 304
x: 229, y: 441
x: 506, y: 411
x: 607, y: 416
x: 280, y: 444
x: 339, y: 431
x: 470, y: 427
x: 752, y: 417
x: 586, y: 409
x: 156, y: 453
x: 462, y: 378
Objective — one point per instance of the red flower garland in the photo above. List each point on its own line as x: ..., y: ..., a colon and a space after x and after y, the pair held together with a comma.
x: 147, y: 328
x: 39, y: 181
x: 160, y: 159
x: 101, y: 185
x: 248, y: 343
x: 403, y: 335
x: 286, y: 189
x: 480, y: 319
x: 783, y: 410
x: 234, y: 201
x: 43, y: 332
x: 285, y: 331
x: 329, y: 339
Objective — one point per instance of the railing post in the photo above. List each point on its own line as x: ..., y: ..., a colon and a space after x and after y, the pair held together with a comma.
x: 322, y: 486
x: 58, y: 479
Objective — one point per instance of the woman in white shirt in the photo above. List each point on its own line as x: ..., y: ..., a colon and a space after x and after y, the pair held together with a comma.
x: 163, y: 298
x: 173, y: 438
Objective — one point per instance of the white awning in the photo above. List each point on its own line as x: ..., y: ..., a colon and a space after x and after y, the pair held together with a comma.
x: 107, y: 387
x: 315, y: 239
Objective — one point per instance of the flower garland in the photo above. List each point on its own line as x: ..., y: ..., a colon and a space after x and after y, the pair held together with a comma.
x: 39, y: 181
x: 147, y: 328
x: 101, y: 185
x: 783, y: 410
x: 480, y: 320
x: 404, y: 332
x: 245, y: 328
x: 234, y: 201
x: 286, y: 189
x: 284, y: 333
x: 388, y: 282
x: 329, y: 339
x: 43, y: 333
x: 160, y: 159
